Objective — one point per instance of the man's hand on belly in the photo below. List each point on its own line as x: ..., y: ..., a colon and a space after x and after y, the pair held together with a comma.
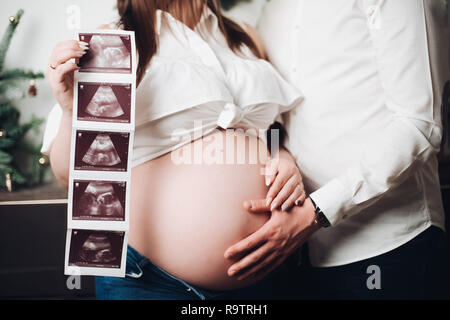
x: 278, y: 238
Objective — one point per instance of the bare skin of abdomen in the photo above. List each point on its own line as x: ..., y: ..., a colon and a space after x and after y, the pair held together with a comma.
x: 184, y: 216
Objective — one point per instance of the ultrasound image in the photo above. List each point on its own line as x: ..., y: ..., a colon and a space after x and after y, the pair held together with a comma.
x: 90, y: 248
x: 97, y: 249
x: 104, y: 104
x: 102, y: 152
x: 107, y: 53
x: 99, y: 200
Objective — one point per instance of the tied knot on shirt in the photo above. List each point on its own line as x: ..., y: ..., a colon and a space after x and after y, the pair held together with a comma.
x: 230, y: 116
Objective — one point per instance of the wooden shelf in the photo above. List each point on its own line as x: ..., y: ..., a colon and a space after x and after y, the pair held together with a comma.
x: 49, y: 193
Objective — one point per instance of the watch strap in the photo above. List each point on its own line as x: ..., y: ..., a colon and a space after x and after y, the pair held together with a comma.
x: 321, y: 219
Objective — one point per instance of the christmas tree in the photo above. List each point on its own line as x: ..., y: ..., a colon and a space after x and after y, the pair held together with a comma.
x: 21, y: 163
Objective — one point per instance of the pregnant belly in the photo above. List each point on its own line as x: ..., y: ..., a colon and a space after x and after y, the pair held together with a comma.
x: 184, y: 216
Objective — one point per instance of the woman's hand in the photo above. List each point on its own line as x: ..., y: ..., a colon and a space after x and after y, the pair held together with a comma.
x: 60, y: 71
x: 285, y: 181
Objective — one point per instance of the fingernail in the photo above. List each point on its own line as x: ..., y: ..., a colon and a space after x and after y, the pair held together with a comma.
x: 81, y: 52
x: 231, y: 272
x: 273, y: 206
x: 267, y: 181
x: 284, y: 207
x: 83, y: 44
x: 84, y: 47
x: 269, y: 200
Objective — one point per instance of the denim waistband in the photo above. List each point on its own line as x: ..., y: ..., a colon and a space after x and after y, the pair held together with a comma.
x: 137, y: 264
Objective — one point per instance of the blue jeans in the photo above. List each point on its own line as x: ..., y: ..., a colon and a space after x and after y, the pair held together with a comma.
x: 146, y: 281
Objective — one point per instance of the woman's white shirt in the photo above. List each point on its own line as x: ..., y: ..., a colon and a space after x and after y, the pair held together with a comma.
x: 196, y: 83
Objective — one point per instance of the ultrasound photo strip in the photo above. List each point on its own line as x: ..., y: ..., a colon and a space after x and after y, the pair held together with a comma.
x: 101, y: 154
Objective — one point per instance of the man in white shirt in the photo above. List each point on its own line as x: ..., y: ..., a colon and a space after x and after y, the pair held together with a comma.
x: 365, y: 139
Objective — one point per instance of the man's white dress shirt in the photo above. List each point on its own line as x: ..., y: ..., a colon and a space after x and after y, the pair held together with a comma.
x: 367, y: 134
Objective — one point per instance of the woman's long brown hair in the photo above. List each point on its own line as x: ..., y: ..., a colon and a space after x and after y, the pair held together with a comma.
x: 140, y: 16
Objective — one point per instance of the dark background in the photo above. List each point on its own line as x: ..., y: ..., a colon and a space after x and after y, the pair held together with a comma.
x: 32, y: 244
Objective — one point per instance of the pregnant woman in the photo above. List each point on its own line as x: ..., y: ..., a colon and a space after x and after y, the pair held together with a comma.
x: 199, y: 76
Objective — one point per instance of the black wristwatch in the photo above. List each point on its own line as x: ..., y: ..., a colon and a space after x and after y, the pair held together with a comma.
x: 321, y: 220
